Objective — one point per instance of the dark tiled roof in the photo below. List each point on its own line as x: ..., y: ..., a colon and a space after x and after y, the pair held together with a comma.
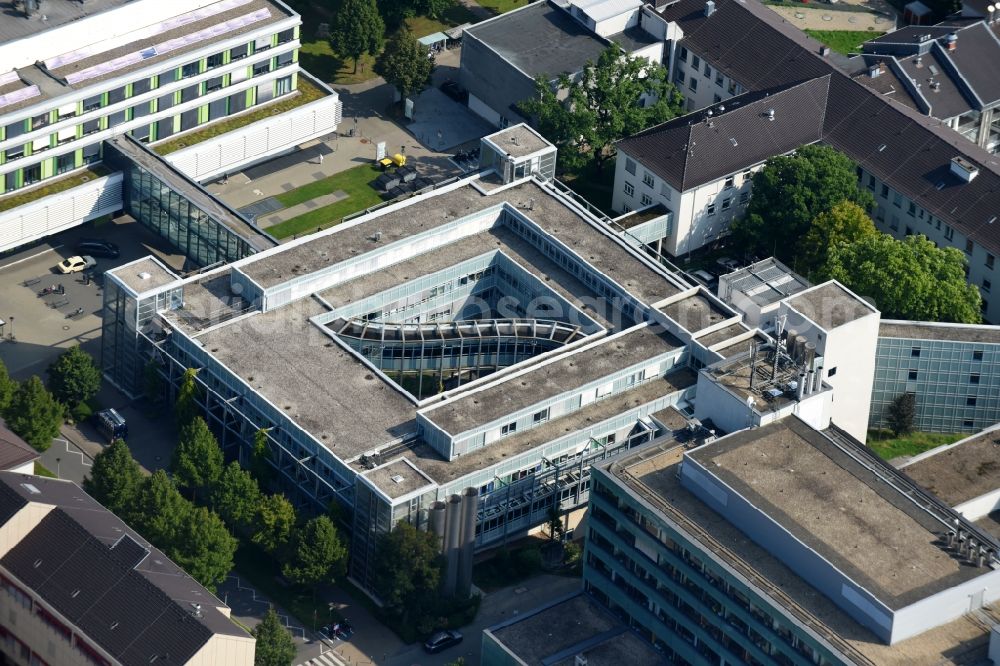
x: 14, y: 451
x: 10, y: 503
x: 887, y: 83
x: 938, y: 94
x: 912, y: 152
x: 710, y: 144
x: 977, y: 57
x: 115, y: 606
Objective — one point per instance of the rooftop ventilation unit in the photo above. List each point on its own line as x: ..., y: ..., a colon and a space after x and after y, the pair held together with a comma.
x: 951, y: 41
x: 964, y: 169
x: 709, y: 8
x: 770, y: 114
x: 396, y: 478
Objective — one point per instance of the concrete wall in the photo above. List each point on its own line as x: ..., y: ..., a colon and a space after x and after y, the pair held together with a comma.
x: 223, y: 650
x: 947, y: 605
x: 260, y: 140
x: 493, y: 83
x: 58, y: 212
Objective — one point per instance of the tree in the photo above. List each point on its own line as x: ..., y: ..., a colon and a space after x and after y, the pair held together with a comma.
x: 273, y: 523
x: 789, y: 193
x: 236, y: 497
x: 603, y: 106
x: 115, y: 479
x: 357, y: 29
x: 408, y: 569
x: 434, y: 9
x: 34, y: 414
x: 161, y: 511
x: 395, y: 12
x: 846, y: 222
x: 74, y: 377
x: 555, y: 523
x: 197, y: 461
x: 186, y: 406
x: 900, y: 414
x: 204, y: 548
x: 275, y: 646
x: 907, y: 279
x: 318, y: 554
x: 260, y: 458
x: 404, y: 63
x: 7, y: 388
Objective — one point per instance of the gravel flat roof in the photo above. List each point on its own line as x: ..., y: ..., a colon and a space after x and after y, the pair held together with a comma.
x: 861, y: 524
x: 398, y: 478
x: 830, y: 305
x: 920, y: 330
x: 573, y: 369
x: 961, y: 471
x: 145, y: 274
x: 697, y: 312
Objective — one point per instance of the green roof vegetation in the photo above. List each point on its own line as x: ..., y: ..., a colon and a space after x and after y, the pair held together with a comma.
x: 308, y: 92
x: 354, y: 182
x: 54, y: 186
x: 502, y: 6
x: 888, y: 447
x: 844, y: 41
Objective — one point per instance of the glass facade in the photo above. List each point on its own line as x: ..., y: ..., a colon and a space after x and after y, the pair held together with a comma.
x: 191, y: 230
x: 956, y: 384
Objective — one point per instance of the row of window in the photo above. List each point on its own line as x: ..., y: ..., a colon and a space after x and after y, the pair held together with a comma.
x: 707, y: 71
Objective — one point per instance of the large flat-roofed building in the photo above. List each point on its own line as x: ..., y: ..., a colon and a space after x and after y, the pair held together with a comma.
x: 952, y: 370
x: 79, y: 587
x: 73, y: 75
x: 785, y: 544
x: 490, y: 335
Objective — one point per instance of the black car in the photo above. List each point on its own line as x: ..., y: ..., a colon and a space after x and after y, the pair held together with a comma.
x: 455, y: 91
x: 442, y: 640
x: 96, y: 247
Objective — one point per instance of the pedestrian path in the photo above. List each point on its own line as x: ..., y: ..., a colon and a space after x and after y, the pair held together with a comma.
x: 330, y: 658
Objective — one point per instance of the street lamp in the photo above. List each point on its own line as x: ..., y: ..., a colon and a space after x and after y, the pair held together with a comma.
x: 58, y: 473
x: 12, y: 338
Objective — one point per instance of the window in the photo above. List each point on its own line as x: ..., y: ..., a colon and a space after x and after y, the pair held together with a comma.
x: 239, y: 52
x: 693, y: 84
x: 540, y: 417
x: 885, y: 191
x: 140, y: 110
x: 116, y: 95
x: 92, y: 153
x: 897, y: 200
x: 629, y: 189
x: 165, y: 102
x: 915, y: 352
x: 911, y: 209
x: 680, y: 76
x: 217, y: 109
x: 116, y: 118
x: 912, y: 375
x: 974, y: 378
x: 708, y: 71
x: 967, y: 423
x: 695, y: 61
x: 832, y: 372
x: 665, y: 191
x: 645, y: 201
x: 647, y: 179
x: 15, y: 129
x: 190, y: 69
x: 40, y: 120
x: 629, y: 166
x: 970, y: 401
x: 716, y: 99
x: 262, y: 43
x: 214, y: 61
x: 977, y: 355
x: 682, y: 54
x: 711, y: 209
x: 968, y: 247
x: 140, y: 86
x: 909, y: 230
x: 949, y: 233
x: 189, y: 119
x: 14, y: 153
x: 213, y: 84
x: 285, y: 59
x: 262, y: 67
x: 286, y: 36
x: 986, y: 285
x: 729, y: 182
x: 32, y: 174
x: 727, y: 203
x: 744, y: 198
x: 719, y: 79
x: 990, y: 259
x: 91, y: 126
x: 626, y: 208
x: 509, y: 428
x: 191, y: 92
x: 894, y: 223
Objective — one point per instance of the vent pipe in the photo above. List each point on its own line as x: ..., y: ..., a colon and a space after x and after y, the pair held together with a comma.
x: 809, y: 382
x: 453, y: 540
x: 800, y: 390
x: 470, y: 507
x: 709, y: 7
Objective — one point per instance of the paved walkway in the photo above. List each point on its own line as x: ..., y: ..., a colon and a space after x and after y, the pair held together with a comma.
x: 880, y: 17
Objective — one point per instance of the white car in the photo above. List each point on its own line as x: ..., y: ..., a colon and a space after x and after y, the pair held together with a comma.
x: 76, y: 264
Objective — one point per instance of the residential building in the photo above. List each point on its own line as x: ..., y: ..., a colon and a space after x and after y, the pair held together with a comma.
x: 16, y: 455
x: 948, y: 184
x: 74, y: 75
x: 567, y: 631
x: 952, y: 370
x: 79, y: 587
x: 946, y: 71
x: 503, y: 56
x: 784, y: 544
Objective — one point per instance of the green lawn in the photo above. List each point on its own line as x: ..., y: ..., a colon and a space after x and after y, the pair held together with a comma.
x: 307, y: 93
x: 843, y: 41
x: 42, y: 470
x: 889, y: 447
x: 501, y: 6
x: 354, y: 182
x: 421, y: 26
x: 53, y: 186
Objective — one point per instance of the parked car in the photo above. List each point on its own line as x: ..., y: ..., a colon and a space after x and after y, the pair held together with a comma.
x: 442, y: 640
x: 96, y: 247
x: 455, y: 91
x: 76, y: 264
x: 729, y: 264
x: 704, y: 277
